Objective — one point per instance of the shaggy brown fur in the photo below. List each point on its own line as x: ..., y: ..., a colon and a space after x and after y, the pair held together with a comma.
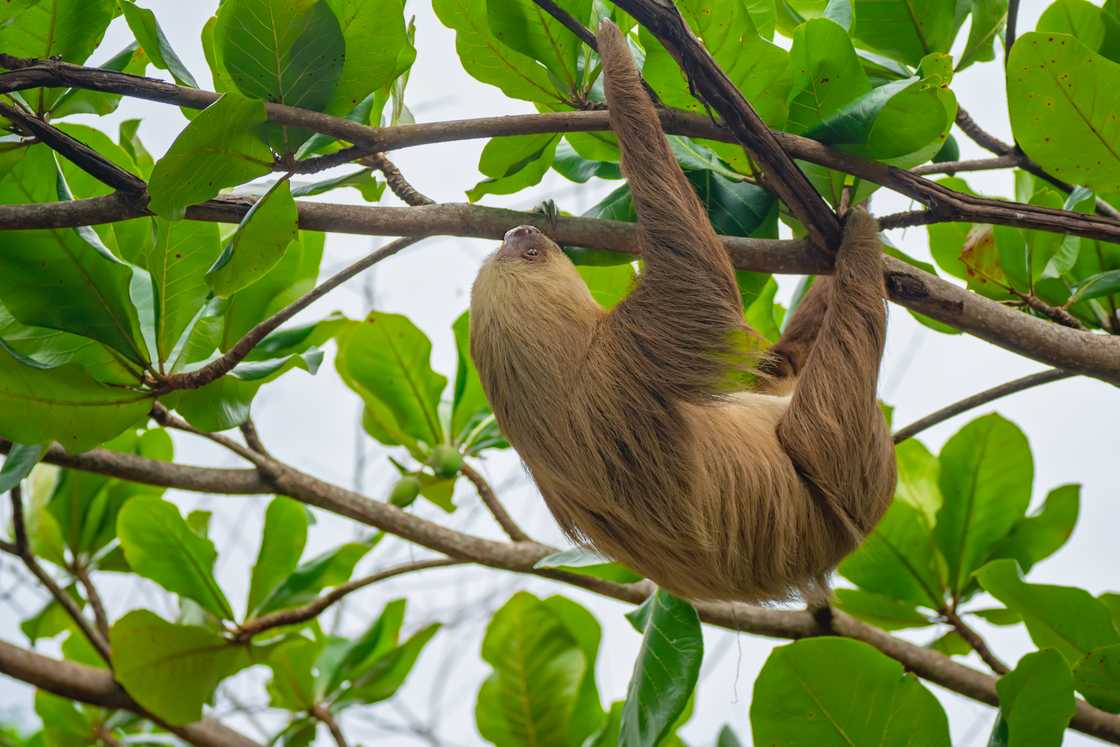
x: 624, y: 418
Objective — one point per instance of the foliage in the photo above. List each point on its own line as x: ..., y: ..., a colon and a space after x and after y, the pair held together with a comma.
x: 100, y: 325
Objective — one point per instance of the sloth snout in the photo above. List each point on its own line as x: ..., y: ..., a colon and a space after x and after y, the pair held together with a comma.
x: 521, y: 232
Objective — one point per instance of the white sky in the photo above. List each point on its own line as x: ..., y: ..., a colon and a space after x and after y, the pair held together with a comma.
x: 312, y: 422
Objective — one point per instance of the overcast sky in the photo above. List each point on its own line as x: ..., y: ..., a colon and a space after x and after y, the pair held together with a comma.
x: 312, y: 423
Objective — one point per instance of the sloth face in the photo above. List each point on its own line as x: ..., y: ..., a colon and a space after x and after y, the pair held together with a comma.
x: 527, y: 244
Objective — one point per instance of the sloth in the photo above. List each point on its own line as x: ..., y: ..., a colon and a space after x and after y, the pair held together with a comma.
x: 629, y: 421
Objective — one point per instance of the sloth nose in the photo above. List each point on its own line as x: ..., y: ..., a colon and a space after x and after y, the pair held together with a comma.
x: 521, y: 232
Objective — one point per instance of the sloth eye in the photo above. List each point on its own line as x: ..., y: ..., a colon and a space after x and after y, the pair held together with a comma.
x: 532, y: 251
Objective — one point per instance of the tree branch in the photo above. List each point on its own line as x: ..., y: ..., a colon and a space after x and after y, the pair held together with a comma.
x: 486, y: 493
x: 323, y: 715
x: 396, y: 181
x: 978, y: 644
x: 100, y: 617
x: 226, y: 362
x: 97, y: 687
x: 521, y: 557
x: 1008, y: 160
x: 316, y: 607
x: 979, y: 399
x: 64, y: 600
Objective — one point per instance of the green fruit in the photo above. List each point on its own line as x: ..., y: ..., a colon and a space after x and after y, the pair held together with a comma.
x: 445, y: 461
x: 405, y: 491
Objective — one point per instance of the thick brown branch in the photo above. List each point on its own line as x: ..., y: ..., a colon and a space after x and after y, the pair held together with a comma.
x: 97, y: 687
x: 486, y: 493
x: 314, y: 608
x: 226, y: 362
x: 978, y: 400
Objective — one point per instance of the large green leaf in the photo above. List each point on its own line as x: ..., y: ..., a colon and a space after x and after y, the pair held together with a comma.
x: 885, y: 612
x: 218, y: 149
x: 131, y: 60
x: 1063, y: 98
x: 1036, y: 700
x: 292, y: 662
x: 666, y: 670
x: 918, y: 472
x: 524, y: 26
x: 827, y: 74
x: 1062, y: 617
x: 160, y: 546
x: 986, y: 476
x: 469, y: 407
x: 513, y: 163
x: 1095, y: 27
x: 65, y: 278
x: 171, y: 670
x: 378, y: 49
x: 331, y: 568
x: 259, y: 242
x: 1097, y: 676
x: 487, y: 59
x: 1039, y: 535
x: 379, y: 677
x: 988, y: 19
x: 18, y: 463
x: 287, y: 51
x: 282, y: 541
x: 905, y: 30
x: 177, y: 263
x: 40, y: 404
x: 835, y: 691
x: 385, y: 359
x: 144, y: 26
x: 539, y: 666
x: 899, y: 559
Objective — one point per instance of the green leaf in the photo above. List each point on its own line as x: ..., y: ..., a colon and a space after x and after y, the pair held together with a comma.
x: 386, y: 360
x: 287, y: 51
x: 41, y: 404
x: 1095, y: 286
x: 178, y: 261
x: 38, y: 268
x: 1062, y: 617
x: 998, y: 616
x: 131, y: 60
x: 378, y: 49
x: 19, y: 462
x: 514, y: 162
x: 292, y: 277
x: 1080, y: 19
x: 218, y: 149
x: 1062, y: 98
x: 489, y: 60
x: 879, y: 610
x: 258, y: 243
x: 951, y: 644
x: 362, y: 180
x: 1097, y: 676
x: 524, y: 26
x: 292, y: 662
x: 331, y: 568
x: 587, y: 562
x: 757, y: 67
x: 666, y: 670
x: 379, y: 678
x: 282, y: 542
x: 835, y: 691
x: 1036, y: 700
x: 918, y: 472
x: 905, y: 30
x: 988, y: 19
x: 64, y: 723
x: 588, y: 715
x: 986, y: 476
x: 573, y: 166
x: 144, y: 26
x: 160, y: 546
x: 827, y: 74
x: 899, y: 559
x: 539, y: 667
x: 1038, y: 536
x: 171, y: 670
x: 470, y: 409
x: 51, y: 619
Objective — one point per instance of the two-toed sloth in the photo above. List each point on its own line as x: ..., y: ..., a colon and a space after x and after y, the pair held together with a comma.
x: 625, y: 418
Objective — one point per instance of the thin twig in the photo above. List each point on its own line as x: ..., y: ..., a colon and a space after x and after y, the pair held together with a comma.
x: 1055, y: 313
x: 323, y: 714
x: 396, y: 181
x: 978, y: 644
x: 95, y: 602
x: 252, y: 437
x: 313, y: 609
x: 1007, y: 160
x: 1012, y: 22
x: 980, y: 136
x: 78, y: 153
x: 225, y: 363
x: 23, y: 551
x: 168, y: 419
x: 979, y: 399
x: 486, y: 493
